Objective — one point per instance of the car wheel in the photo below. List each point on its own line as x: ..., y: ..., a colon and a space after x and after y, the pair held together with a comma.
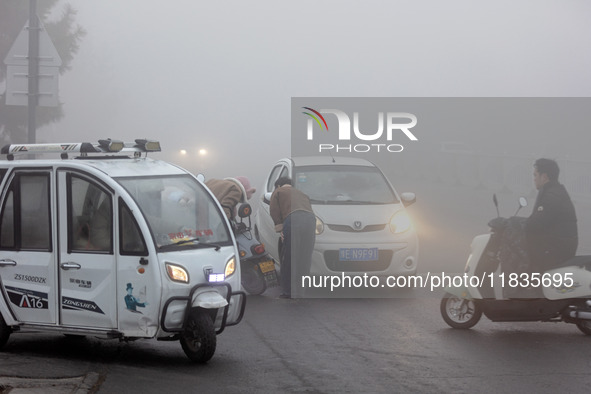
x: 459, y: 312
x: 198, y: 339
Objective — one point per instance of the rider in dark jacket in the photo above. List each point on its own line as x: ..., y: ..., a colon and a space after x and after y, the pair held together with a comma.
x: 551, y: 230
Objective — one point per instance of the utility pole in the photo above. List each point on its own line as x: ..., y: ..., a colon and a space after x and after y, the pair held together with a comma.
x: 32, y: 70
x: 33, y: 57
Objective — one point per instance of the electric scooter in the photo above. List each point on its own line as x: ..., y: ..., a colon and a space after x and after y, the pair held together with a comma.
x: 258, y: 268
x: 561, y: 294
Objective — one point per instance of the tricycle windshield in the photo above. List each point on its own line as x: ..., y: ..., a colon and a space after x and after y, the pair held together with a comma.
x: 180, y: 212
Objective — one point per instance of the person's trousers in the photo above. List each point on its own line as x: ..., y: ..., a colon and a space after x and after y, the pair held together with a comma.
x: 298, y: 243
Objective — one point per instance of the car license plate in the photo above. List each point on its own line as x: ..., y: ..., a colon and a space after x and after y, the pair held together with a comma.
x: 358, y: 254
x: 266, y: 266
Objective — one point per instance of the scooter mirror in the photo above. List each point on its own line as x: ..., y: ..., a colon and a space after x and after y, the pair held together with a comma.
x: 244, y: 210
x: 496, y: 202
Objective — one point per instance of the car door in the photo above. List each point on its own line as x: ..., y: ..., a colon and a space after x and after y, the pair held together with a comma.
x: 87, y: 263
x: 27, y: 261
x: 266, y: 229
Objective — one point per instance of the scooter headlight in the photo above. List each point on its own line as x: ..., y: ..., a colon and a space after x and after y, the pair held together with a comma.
x: 230, y: 267
x: 400, y: 222
x: 319, y: 226
x: 177, y: 273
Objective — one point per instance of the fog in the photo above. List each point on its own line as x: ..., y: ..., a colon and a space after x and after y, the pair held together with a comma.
x: 220, y: 75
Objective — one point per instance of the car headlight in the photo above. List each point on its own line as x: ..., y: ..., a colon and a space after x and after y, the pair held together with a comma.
x: 400, y: 222
x: 230, y: 267
x: 319, y: 226
x: 177, y: 273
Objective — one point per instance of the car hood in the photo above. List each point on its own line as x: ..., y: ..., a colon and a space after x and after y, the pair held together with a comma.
x: 356, y: 216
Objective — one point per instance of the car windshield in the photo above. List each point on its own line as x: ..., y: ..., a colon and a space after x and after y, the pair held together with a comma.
x: 344, y: 185
x: 181, y: 214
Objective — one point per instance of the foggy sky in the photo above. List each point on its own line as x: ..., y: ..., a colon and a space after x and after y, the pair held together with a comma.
x: 220, y: 75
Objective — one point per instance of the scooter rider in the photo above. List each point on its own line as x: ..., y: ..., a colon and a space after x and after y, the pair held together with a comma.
x: 230, y: 192
x: 551, y: 230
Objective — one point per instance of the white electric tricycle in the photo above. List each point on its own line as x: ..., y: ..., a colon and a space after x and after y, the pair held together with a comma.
x: 113, y: 244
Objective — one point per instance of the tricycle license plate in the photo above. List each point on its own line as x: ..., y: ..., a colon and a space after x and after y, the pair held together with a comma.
x: 266, y: 266
x: 358, y: 254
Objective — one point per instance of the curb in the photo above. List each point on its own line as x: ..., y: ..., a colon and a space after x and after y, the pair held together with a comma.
x: 76, y: 385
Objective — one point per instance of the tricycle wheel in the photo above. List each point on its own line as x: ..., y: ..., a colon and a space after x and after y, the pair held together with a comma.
x: 198, y: 339
x: 4, y: 332
x: 584, y: 326
x: 253, y: 279
x: 459, y: 312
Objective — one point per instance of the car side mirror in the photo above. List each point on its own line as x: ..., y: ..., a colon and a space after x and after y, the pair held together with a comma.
x: 408, y: 198
x: 522, y: 202
x: 267, y: 198
x: 201, y: 177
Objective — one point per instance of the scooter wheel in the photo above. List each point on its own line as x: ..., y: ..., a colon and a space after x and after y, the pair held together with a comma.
x: 459, y: 312
x: 584, y: 326
x: 198, y: 339
x: 253, y: 280
x: 4, y: 332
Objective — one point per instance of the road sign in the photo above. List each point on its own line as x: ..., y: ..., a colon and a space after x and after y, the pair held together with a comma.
x: 17, y: 62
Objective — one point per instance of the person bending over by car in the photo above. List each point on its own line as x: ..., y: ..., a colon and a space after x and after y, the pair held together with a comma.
x: 293, y: 216
x: 551, y: 230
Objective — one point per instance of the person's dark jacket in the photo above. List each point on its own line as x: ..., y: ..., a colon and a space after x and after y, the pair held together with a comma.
x: 551, y: 230
x: 285, y: 200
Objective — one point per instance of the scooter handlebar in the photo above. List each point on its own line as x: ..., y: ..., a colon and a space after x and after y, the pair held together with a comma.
x: 501, y: 223
x: 498, y: 223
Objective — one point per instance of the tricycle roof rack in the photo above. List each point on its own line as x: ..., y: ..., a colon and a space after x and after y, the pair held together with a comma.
x: 84, y: 148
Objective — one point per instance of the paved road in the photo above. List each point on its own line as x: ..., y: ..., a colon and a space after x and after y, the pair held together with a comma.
x: 325, y: 346
x: 335, y: 345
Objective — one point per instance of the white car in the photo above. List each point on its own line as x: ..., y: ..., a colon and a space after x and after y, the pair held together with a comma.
x: 362, y: 225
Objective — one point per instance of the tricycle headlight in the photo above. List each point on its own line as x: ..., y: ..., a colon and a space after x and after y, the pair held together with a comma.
x: 400, y: 222
x: 319, y: 226
x: 177, y: 273
x: 230, y: 267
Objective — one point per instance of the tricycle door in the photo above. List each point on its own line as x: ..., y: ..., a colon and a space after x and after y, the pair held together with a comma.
x: 27, y: 262
x: 87, y: 264
x: 138, y: 279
